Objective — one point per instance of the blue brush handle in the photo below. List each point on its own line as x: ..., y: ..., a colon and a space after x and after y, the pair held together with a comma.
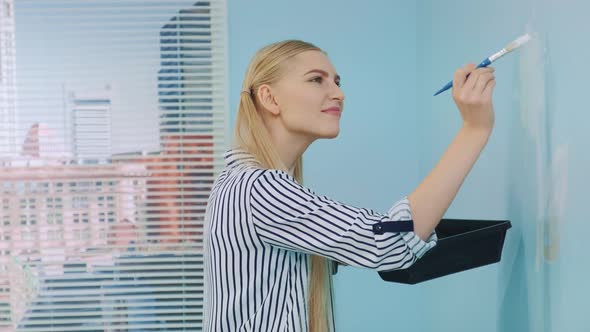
x: 449, y: 85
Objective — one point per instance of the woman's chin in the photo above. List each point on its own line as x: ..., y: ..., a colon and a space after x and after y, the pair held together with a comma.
x: 331, y: 134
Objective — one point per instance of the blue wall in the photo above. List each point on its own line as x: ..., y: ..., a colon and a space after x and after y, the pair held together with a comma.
x: 392, y: 57
x: 451, y: 34
x: 533, y: 171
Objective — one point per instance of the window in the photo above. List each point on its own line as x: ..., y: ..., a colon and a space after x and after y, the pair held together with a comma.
x: 120, y: 105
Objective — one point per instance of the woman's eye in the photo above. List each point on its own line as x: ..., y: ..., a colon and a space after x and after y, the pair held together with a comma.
x: 317, y: 79
x: 320, y: 79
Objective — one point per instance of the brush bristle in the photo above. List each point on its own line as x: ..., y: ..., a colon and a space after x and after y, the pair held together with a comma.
x: 518, y: 42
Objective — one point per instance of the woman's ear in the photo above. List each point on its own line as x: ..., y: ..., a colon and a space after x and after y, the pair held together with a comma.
x: 267, y: 99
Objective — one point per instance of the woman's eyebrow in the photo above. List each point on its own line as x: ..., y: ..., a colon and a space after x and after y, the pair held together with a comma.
x: 323, y: 73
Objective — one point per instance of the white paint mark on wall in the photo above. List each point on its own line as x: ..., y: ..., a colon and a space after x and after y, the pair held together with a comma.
x: 549, y: 169
x: 556, y: 202
x: 533, y: 115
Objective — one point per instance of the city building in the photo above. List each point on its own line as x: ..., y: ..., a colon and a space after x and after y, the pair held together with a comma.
x: 8, y: 112
x: 88, y: 123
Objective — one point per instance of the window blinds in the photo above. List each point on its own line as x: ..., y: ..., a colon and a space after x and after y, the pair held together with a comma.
x: 112, y: 130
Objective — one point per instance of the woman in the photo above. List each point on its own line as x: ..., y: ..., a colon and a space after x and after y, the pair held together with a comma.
x: 270, y: 242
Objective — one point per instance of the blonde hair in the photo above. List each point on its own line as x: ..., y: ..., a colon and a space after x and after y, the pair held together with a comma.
x: 267, y: 67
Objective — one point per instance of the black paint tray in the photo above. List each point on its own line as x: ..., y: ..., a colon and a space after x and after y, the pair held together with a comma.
x: 462, y: 245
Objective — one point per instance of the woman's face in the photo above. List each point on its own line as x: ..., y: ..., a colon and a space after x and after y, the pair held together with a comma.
x: 309, y: 98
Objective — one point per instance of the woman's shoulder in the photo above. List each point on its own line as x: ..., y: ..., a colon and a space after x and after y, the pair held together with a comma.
x: 242, y: 166
x: 256, y: 173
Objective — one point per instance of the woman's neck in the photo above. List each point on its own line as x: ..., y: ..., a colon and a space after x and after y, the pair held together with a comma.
x: 290, y: 148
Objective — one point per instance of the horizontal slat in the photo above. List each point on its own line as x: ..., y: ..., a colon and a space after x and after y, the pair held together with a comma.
x: 122, y: 270
x: 191, y: 298
x: 215, y: 103
x: 44, y: 73
x: 193, y: 326
x: 126, y: 308
x: 143, y: 274
x: 104, y: 173
x: 121, y: 13
x: 186, y: 230
x: 107, y: 24
x: 155, y: 257
x: 132, y: 4
x: 195, y: 301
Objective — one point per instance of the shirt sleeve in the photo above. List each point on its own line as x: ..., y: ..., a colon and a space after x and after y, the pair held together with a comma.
x: 290, y: 216
x: 401, y: 211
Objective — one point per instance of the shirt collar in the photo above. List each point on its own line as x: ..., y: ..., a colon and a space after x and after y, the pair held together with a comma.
x: 236, y: 157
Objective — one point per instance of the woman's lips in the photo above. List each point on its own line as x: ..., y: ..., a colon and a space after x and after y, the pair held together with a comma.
x: 333, y: 111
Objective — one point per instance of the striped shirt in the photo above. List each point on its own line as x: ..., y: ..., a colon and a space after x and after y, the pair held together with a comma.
x: 261, y: 227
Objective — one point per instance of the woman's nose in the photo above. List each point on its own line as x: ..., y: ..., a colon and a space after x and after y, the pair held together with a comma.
x: 337, y: 93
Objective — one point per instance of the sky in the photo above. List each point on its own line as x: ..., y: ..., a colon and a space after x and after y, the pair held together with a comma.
x: 64, y: 46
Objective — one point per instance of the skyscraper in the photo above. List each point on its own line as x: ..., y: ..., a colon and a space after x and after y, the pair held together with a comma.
x: 90, y: 128
x: 192, y: 112
x: 188, y: 77
x: 192, y: 115
x: 8, y: 118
